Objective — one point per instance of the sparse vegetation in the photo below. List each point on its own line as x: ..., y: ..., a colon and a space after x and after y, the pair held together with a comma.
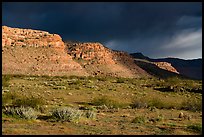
x: 195, y: 127
x: 107, y: 101
x: 5, y: 80
x: 192, y: 104
x: 21, y: 112
x: 32, y: 102
x: 159, y: 118
x: 139, y: 119
x: 120, y: 80
x: 158, y: 103
x: 90, y: 114
x: 150, y: 102
x: 7, y: 98
x: 139, y: 103
x: 67, y: 114
x: 95, y: 105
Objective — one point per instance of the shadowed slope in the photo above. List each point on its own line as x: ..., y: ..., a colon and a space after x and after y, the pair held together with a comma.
x: 99, y: 60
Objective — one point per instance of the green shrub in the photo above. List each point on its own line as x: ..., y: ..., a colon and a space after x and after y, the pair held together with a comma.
x: 7, y: 98
x: 171, y: 124
x: 159, y: 118
x: 196, y: 128
x: 139, y: 103
x: 90, y: 114
x: 73, y: 77
x: 22, y: 112
x: 66, y: 114
x: 120, y: 80
x: 139, y: 119
x: 156, y: 102
x: 75, y: 82
x: 192, y: 105
x: 102, y: 78
x: 5, y: 80
x: 105, y: 100
x: 151, y: 102
x: 29, y: 102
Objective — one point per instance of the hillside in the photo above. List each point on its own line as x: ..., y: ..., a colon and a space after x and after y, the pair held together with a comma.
x: 41, y: 53
x: 35, y: 52
x: 73, y: 88
x: 26, y: 51
x: 189, y: 68
x: 100, y: 60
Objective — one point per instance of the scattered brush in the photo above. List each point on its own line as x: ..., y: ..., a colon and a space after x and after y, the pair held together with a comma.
x: 139, y: 103
x: 192, y: 105
x: 139, y: 119
x: 107, y: 101
x: 22, y: 112
x: 196, y: 128
x: 5, y: 80
x: 152, y: 102
x: 90, y: 114
x: 8, y: 98
x: 32, y: 102
x: 67, y: 114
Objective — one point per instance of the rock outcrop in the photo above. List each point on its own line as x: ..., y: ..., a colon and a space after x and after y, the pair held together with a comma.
x: 191, y: 68
x: 166, y: 66
x: 100, y: 60
x: 163, y: 65
x: 34, y: 52
x: 29, y: 37
x: 26, y: 51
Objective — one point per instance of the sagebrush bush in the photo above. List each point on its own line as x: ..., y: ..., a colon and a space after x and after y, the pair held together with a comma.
x: 120, y: 80
x: 195, y: 127
x: 157, y: 102
x: 105, y: 100
x: 90, y: 114
x: 29, y: 102
x: 5, y: 80
x: 102, y: 78
x: 151, y: 102
x: 139, y: 119
x: 139, y: 103
x: 192, y: 105
x: 7, y: 98
x: 66, y: 114
x: 22, y: 112
x: 159, y: 118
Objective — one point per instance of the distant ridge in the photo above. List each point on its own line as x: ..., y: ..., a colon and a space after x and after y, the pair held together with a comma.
x: 191, y: 68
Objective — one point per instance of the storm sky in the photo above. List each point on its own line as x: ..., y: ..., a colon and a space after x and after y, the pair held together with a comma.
x: 168, y: 29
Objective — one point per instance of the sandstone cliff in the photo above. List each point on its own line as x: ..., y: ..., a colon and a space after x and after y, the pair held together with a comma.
x: 166, y: 66
x: 26, y: 51
x: 100, y: 60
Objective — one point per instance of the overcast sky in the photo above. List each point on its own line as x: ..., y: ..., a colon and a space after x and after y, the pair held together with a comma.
x: 169, y: 29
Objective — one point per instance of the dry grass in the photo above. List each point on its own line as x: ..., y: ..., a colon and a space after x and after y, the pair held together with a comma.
x: 87, y: 93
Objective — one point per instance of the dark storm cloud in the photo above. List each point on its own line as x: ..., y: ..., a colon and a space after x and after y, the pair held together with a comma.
x: 132, y: 27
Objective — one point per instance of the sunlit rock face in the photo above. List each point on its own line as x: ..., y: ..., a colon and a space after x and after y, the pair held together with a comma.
x: 103, y: 61
x: 166, y: 66
x: 27, y: 51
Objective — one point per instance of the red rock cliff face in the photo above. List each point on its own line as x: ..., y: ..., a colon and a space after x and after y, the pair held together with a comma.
x: 91, y: 53
x: 99, y: 60
x: 166, y: 66
x: 26, y: 51
x: 29, y: 37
